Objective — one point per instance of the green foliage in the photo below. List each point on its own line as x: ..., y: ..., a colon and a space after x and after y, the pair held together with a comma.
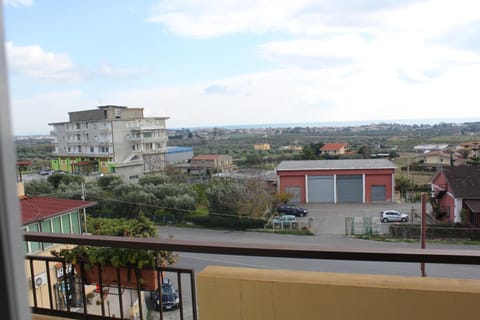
x: 109, y: 181
x: 155, y: 180
x: 230, y: 223
x: 38, y: 187
x: 201, y: 197
x: 118, y: 257
x: 281, y: 197
x: 364, y: 151
x: 312, y: 151
x: 246, y: 197
x: 403, y: 184
x: 56, y: 179
x: 440, y: 231
x: 139, y: 227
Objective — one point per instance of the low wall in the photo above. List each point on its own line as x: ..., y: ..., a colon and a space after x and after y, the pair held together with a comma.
x: 362, y: 226
x: 245, y: 293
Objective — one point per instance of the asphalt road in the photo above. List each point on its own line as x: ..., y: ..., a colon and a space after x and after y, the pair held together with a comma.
x: 329, y: 224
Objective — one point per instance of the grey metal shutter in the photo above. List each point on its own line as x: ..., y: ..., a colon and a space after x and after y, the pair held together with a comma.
x: 379, y: 193
x: 320, y: 189
x: 350, y: 188
x: 295, y: 192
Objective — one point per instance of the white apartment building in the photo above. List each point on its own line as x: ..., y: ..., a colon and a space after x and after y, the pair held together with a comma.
x: 110, y: 139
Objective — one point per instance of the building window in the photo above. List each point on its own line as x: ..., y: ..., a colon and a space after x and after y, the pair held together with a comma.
x: 92, y: 149
x: 34, y: 246
x: 78, y: 125
x: 79, y: 148
x: 66, y: 224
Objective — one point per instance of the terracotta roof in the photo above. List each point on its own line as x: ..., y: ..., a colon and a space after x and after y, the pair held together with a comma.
x: 332, y: 146
x: 206, y: 157
x: 464, y: 181
x: 39, y: 208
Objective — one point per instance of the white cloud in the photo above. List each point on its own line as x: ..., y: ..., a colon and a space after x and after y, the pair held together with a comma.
x: 218, y: 17
x: 33, y: 114
x: 107, y: 70
x: 300, y: 17
x: 297, y: 95
x: 18, y: 3
x: 35, y: 62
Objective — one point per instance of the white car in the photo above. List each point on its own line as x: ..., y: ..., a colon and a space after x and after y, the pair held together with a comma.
x: 392, y: 215
x: 285, y: 221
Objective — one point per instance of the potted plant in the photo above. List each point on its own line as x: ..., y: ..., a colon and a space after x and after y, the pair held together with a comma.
x: 134, y: 267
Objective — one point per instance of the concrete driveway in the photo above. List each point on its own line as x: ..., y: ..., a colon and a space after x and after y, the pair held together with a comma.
x: 330, y: 218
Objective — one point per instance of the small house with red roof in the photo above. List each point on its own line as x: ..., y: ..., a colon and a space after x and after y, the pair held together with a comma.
x: 334, y: 149
x: 55, y: 215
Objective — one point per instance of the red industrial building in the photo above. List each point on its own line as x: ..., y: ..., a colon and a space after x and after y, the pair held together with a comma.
x: 338, y: 181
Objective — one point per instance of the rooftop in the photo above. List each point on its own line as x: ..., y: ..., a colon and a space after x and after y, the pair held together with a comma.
x: 349, y: 164
x: 38, y: 208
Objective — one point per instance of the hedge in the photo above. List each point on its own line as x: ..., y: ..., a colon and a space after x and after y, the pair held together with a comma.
x: 437, y: 231
x: 233, y: 223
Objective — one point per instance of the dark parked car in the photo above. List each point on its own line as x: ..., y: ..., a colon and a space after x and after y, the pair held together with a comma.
x: 292, y: 210
x: 169, y: 294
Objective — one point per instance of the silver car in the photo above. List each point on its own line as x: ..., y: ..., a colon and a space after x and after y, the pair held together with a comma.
x: 392, y: 215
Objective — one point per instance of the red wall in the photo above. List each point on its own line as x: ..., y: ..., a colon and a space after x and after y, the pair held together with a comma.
x: 372, y: 177
x: 439, y: 182
x: 294, y: 181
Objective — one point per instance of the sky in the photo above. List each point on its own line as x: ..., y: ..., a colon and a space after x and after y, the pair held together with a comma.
x: 242, y: 62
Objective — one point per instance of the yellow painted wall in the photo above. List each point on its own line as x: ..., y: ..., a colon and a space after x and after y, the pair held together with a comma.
x: 244, y: 293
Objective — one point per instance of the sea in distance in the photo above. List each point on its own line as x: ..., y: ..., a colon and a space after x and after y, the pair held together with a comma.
x: 338, y: 123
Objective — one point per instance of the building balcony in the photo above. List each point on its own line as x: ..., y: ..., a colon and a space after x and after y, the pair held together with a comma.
x: 156, y: 139
x: 219, y: 292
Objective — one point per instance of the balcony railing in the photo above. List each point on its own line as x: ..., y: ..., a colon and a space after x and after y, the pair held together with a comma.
x: 466, y: 257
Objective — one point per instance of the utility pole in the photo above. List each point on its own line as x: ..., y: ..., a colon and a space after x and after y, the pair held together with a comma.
x: 423, y: 230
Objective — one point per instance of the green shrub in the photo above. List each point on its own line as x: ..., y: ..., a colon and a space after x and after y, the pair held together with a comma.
x: 233, y: 223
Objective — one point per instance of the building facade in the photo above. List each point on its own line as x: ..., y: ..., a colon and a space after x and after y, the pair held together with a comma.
x: 110, y: 139
x: 337, y: 181
x: 52, y: 215
x: 261, y: 146
x: 334, y: 149
x: 456, y: 194
x: 210, y: 163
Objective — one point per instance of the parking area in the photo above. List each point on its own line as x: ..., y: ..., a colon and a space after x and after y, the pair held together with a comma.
x: 329, y: 218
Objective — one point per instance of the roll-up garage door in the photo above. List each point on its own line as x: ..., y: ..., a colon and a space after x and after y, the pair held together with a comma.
x: 350, y: 188
x: 295, y: 193
x: 379, y: 193
x: 320, y: 189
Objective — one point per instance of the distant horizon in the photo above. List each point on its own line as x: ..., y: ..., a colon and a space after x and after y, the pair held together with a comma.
x: 314, y: 124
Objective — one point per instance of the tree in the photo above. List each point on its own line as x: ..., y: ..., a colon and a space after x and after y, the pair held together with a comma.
x: 403, y: 184
x: 364, y: 151
x: 312, y: 151
x: 109, y: 181
x: 245, y: 197
x: 38, y: 187
x: 57, y: 178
